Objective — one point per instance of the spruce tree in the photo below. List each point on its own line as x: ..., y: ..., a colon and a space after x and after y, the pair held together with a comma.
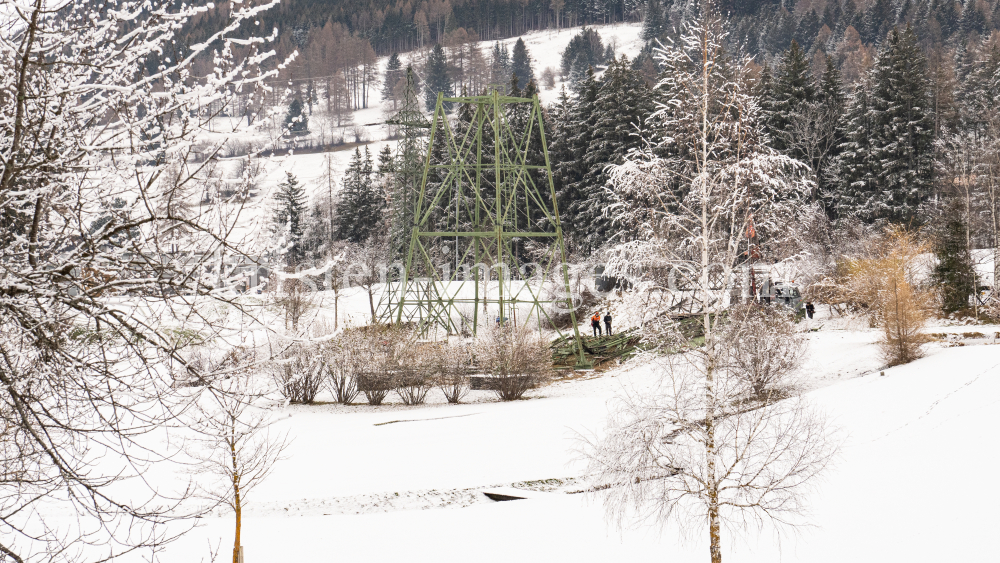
x: 437, y: 80
x: 904, y: 129
x: 954, y: 274
x: 500, y: 67
x: 885, y: 170
x: 361, y: 205
x: 808, y: 28
x: 793, y: 86
x: 560, y: 146
x: 521, y: 63
x: 654, y: 25
x: 856, y: 169
x: 393, y: 74
x: 296, y: 122
x: 614, y: 133
x: 408, y: 168
x: 830, y: 96
x: 586, y: 45
x: 572, y: 197
x: 290, y: 211
x: 578, y: 74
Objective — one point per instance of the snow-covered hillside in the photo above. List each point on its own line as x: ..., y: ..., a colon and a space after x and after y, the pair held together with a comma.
x: 544, y: 47
x: 393, y: 483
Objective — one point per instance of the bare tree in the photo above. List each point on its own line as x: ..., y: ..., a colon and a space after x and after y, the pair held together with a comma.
x: 812, y: 132
x: 103, y: 260
x: 515, y: 357
x: 236, y: 446
x: 295, y: 299
x: 367, y: 267
x: 707, y: 458
x: 336, y: 268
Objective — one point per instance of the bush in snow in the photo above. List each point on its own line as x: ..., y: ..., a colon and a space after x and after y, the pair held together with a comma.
x: 884, y: 282
x: 413, y: 384
x: 376, y: 360
x: 764, y: 349
x: 516, y: 358
x: 298, y: 376
x: 454, y: 364
x: 338, y: 359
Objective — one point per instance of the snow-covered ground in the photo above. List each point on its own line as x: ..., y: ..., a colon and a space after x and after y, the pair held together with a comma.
x: 913, y: 482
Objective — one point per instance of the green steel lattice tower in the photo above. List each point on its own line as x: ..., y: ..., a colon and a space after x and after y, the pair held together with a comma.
x: 486, y: 195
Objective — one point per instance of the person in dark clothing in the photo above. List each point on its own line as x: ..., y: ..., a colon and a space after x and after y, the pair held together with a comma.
x: 607, y: 323
x: 595, y: 323
x: 810, y: 310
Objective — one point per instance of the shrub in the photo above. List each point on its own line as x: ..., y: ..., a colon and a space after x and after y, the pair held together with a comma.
x: 762, y: 349
x: 883, y: 282
x: 376, y: 385
x: 413, y: 384
x: 378, y: 359
x: 340, y: 382
x: 516, y: 358
x: 954, y: 275
x: 341, y: 362
x: 451, y: 366
x: 298, y: 376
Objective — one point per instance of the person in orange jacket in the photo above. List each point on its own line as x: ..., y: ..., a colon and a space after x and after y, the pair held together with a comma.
x: 595, y: 323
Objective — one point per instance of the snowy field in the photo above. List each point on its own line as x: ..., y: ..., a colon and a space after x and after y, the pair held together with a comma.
x: 913, y: 481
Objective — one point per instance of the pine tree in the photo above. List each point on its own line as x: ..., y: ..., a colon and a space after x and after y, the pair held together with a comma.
x: 361, y: 205
x: 393, y: 74
x: 521, y: 63
x: 438, y: 80
x: 954, y: 274
x: 856, y: 168
x: 586, y: 45
x: 654, y: 25
x: 296, y: 122
x: 807, y: 29
x: 290, y: 211
x: 793, y: 86
x: 500, y: 67
x: 572, y: 198
x: 831, y: 99
x: 904, y: 129
x: 578, y: 74
x: 887, y: 163
x: 614, y: 132
x: 560, y: 145
x: 981, y: 90
x: 408, y: 168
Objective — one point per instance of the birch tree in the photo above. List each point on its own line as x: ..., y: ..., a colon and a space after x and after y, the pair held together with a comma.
x: 688, y: 196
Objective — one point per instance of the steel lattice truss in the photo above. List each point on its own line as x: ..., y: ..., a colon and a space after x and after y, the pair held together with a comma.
x: 486, y: 244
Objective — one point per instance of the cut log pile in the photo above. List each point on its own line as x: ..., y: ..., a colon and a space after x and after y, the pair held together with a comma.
x: 597, y: 349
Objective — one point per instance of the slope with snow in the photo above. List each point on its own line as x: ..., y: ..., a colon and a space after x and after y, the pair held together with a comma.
x: 913, y: 481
